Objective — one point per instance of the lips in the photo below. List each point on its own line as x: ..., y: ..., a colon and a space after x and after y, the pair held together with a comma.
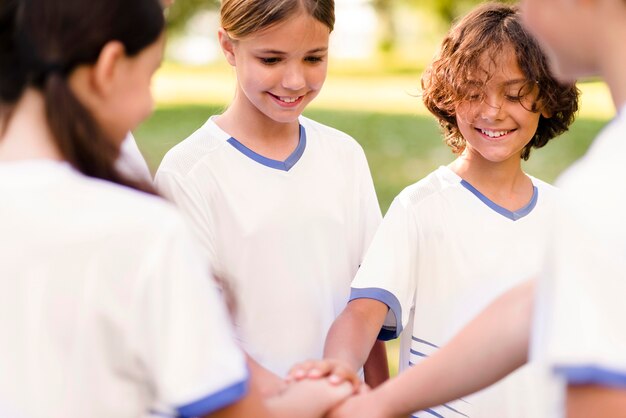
x: 494, y: 134
x: 287, y: 101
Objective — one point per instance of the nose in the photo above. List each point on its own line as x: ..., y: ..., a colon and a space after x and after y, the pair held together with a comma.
x: 491, y: 107
x: 294, y: 77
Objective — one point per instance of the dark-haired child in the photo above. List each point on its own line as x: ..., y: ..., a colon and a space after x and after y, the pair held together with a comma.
x: 107, y: 308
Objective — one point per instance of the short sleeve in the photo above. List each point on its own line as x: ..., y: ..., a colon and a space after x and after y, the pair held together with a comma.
x: 182, y: 329
x: 131, y: 162
x: 387, y: 273
x: 184, y: 193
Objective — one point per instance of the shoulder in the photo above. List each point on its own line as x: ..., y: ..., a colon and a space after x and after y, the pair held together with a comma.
x: 112, y: 209
x: 429, y: 189
x: 329, y: 135
x: 544, y: 188
x: 199, y: 146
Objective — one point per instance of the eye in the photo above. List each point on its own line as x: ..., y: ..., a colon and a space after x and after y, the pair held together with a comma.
x: 314, y: 59
x: 270, y: 60
x: 514, y: 97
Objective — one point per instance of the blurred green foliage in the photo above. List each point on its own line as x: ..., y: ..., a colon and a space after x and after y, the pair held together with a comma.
x: 182, y: 10
x: 400, y: 148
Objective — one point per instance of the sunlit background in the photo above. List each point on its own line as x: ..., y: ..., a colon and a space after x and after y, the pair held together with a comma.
x: 378, y: 51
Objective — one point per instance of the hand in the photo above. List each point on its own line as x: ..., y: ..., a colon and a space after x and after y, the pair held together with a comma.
x: 335, y: 371
x: 308, y: 398
x: 362, y: 406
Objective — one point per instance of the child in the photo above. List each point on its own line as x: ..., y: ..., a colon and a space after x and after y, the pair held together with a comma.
x: 469, y: 231
x: 284, y: 206
x: 106, y: 307
x: 578, y: 333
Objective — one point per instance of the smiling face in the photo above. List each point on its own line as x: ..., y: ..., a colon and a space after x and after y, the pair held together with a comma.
x: 495, y: 119
x: 280, y: 70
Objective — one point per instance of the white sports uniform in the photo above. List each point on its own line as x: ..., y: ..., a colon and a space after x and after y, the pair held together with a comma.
x: 131, y: 162
x: 579, y: 323
x: 442, y: 253
x: 287, y: 237
x: 106, y: 305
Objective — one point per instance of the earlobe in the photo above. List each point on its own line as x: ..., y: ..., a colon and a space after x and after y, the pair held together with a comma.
x: 106, y: 67
x: 227, y: 45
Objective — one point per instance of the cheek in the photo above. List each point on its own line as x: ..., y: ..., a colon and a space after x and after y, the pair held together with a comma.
x: 465, y: 113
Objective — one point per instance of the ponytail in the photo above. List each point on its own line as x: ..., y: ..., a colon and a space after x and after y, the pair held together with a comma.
x: 78, y: 137
x: 42, y: 41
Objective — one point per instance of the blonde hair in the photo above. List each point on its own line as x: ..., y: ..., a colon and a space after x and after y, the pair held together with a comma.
x: 241, y: 18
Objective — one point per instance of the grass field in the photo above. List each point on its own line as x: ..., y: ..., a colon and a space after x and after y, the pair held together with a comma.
x: 401, y: 140
x: 401, y: 148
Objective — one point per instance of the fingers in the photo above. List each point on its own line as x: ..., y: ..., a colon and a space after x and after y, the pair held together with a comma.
x: 335, y: 371
x: 311, y: 369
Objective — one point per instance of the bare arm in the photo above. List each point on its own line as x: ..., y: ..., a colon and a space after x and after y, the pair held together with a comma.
x: 463, y: 366
x: 586, y: 401
x: 267, y: 383
x: 376, y: 368
x: 305, y: 399
x: 353, y: 334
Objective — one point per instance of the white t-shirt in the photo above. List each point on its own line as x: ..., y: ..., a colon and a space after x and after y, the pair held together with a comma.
x: 106, y: 306
x: 579, y: 328
x: 286, y: 237
x: 442, y: 253
x: 131, y: 162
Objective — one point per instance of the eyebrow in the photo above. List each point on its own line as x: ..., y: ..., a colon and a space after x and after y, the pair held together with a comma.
x: 516, y: 81
x: 277, y: 52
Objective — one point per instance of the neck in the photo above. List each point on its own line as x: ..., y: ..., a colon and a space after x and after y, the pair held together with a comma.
x: 27, y: 135
x: 504, y: 182
x: 265, y: 136
x: 244, y: 121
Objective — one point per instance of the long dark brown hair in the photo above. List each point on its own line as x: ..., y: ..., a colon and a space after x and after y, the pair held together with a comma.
x: 42, y: 41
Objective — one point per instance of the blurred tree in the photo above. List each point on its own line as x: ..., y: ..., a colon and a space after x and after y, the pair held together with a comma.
x: 386, y: 24
x: 448, y: 10
x: 179, y: 13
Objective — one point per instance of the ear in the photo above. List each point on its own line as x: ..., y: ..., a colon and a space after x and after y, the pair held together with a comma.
x: 107, y: 67
x: 228, y: 46
x: 545, y: 113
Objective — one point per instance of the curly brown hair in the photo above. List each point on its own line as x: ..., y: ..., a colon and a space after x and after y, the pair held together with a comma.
x: 489, y: 30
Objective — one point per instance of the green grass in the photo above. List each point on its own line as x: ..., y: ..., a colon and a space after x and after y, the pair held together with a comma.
x: 401, y: 148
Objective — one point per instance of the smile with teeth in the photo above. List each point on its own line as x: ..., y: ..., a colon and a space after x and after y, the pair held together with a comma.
x: 287, y: 99
x: 494, y: 134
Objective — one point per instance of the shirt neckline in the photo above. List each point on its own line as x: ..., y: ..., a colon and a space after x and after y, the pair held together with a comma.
x: 512, y: 215
x: 286, y: 165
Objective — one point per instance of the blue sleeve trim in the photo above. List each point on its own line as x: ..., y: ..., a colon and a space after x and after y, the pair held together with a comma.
x: 387, y: 332
x: 215, y: 401
x: 584, y: 375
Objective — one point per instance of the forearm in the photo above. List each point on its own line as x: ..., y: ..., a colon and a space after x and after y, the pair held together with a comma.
x: 267, y: 383
x: 353, y: 334
x: 585, y: 401
x: 467, y: 364
x: 376, y: 368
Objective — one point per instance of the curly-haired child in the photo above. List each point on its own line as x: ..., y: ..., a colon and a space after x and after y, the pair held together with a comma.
x: 469, y: 231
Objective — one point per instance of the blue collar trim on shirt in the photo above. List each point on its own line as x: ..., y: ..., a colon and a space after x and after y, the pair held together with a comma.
x: 278, y: 165
x: 513, y: 215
